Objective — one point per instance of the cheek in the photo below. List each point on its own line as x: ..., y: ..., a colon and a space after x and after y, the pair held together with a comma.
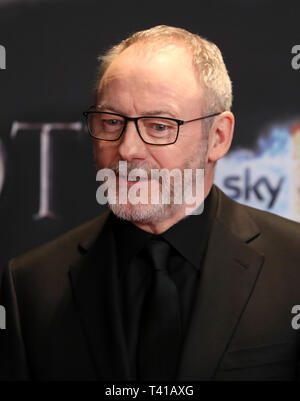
x: 179, y: 155
x: 171, y: 157
x: 104, y: 153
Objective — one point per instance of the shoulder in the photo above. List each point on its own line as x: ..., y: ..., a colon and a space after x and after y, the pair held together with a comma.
x: 40, y: 277
x: 274, y: 224
x: 271, y: 227
x: 60, y: 252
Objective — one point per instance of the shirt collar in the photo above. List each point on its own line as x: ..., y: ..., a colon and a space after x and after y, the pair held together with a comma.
x: 188, y: 236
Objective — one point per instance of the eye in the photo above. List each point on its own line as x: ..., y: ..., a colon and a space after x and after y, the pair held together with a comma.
x: 160, y: 127
x: 112, y: 121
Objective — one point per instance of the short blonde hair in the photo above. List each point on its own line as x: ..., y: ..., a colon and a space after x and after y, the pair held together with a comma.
x: 206, y: 58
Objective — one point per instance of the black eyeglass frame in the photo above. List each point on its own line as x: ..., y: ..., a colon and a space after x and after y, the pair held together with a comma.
x: 135, y: 119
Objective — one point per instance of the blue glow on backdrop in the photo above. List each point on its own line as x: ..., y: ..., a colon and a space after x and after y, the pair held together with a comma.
x: 268, y: 177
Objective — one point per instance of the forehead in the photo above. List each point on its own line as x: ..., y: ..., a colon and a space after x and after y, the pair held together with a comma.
x: 166, y: 71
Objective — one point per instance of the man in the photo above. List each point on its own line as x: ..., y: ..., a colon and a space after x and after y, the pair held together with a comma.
x: 149, y: 291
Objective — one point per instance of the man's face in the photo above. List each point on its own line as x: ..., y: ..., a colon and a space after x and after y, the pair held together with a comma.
x: 142, y: 82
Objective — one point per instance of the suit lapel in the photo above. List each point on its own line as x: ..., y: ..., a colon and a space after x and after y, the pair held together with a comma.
x: 229, y: 274
x: 95, y: 287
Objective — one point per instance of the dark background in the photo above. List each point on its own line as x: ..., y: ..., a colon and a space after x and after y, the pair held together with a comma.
x: 52, y: 49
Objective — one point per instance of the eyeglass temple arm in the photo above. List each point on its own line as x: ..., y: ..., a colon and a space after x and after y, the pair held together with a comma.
x: 201, y: 118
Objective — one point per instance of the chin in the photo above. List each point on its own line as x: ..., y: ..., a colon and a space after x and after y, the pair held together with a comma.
x: 141, y: 213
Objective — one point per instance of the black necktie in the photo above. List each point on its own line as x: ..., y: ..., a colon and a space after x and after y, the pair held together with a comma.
x: 160, y: 331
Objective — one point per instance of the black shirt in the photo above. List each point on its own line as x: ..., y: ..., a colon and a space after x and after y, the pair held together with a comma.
x: 188, y: 240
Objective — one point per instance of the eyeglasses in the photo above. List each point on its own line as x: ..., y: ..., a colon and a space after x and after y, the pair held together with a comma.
x: 152, y: 130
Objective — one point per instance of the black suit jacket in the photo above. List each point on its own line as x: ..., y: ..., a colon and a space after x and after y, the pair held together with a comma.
x: 64, y: 321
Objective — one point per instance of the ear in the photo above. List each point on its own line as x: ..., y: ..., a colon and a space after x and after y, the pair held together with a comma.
x: 220, y: 136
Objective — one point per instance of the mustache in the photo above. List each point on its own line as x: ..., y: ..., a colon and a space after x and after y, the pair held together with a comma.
x: 147, y: 167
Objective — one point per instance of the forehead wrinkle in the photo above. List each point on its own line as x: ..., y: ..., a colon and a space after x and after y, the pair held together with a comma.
x: 141, y: 98
x: 157, y: 112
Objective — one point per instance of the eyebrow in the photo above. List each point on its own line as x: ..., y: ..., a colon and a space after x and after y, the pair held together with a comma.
x: 157, y: 112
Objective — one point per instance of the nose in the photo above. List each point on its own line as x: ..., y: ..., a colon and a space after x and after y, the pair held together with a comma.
x: 131, y: 146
